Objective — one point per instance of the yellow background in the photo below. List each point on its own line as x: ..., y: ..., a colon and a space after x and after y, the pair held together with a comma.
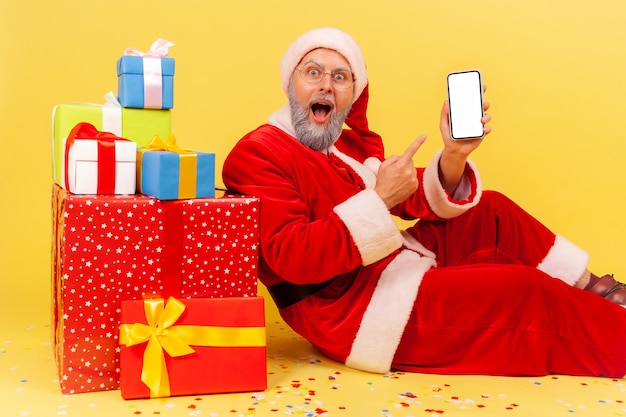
x: 555, y: 71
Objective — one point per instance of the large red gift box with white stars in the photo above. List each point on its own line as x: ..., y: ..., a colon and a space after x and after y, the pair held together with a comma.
x: 110, y: 248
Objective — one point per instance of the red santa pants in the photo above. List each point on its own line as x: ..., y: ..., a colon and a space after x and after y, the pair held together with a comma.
x: 495, y: 231
x: 486, y: 309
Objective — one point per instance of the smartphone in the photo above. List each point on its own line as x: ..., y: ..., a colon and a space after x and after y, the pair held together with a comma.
x: 465, y: 95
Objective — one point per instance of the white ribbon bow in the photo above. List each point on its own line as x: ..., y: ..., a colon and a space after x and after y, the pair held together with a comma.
x: 152, y: 71
x: 159, y: 49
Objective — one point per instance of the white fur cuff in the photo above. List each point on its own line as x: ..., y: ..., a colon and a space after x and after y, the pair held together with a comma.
x: 370, y: 224
x: 439, y: 201
x: 565, y: 261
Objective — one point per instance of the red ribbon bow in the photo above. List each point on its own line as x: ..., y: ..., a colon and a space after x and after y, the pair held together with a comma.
x: 106, y: 154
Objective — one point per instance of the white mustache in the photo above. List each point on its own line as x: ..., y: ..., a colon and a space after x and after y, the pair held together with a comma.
x: 325, y: 97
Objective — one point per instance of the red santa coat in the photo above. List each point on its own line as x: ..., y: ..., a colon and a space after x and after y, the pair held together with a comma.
x: 323, y: 207
x: 322, y: 222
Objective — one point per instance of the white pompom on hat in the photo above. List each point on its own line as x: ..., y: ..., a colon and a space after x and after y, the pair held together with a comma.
x: 329, y: 38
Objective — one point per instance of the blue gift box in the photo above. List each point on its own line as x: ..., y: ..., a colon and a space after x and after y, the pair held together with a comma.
x: 142, y: 84
x: 169, y: 175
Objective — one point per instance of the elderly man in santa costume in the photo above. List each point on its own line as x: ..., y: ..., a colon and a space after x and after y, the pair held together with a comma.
x: 476, y: 286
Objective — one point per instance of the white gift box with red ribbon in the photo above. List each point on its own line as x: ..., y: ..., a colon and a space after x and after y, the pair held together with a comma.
x: 99, y: 162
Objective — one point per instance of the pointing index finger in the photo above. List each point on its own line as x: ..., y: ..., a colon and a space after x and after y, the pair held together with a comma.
x: 411, y: 150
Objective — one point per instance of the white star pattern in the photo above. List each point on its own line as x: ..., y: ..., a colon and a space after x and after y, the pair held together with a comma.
x: 143, y: 250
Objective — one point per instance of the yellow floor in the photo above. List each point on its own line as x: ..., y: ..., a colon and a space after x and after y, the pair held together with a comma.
x: 301, y: 382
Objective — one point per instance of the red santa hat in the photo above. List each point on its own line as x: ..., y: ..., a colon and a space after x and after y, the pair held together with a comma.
x: 329, y: 38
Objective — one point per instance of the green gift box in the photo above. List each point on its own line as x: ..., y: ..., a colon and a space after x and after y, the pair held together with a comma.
x: 138, y: 125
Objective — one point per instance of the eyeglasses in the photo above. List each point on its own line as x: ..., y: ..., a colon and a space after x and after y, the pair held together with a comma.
x: 313, y: 73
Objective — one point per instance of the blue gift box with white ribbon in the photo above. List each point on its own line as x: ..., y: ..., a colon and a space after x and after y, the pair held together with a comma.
x: 146, y: 79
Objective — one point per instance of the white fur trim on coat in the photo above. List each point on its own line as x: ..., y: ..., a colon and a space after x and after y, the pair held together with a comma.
x: 388, y: 312
x: 565, y: 261
x: 440, y: 202
x: 370, y: 224
x: 366, y: 173
x: 281, y: 119
x: 416, y: 246
x: 373, y: 164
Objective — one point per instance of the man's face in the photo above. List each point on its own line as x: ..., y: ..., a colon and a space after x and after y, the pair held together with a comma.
x: 319, y: 110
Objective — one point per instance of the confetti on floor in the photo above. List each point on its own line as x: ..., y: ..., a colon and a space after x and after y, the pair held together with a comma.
x: 303, y: 383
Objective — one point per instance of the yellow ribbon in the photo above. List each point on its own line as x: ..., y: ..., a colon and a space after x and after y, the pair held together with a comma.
x: 188, y: 164
x: 157, y: 144
x: 161, y: 334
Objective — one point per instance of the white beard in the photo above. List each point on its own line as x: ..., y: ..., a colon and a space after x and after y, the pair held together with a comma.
x: 314, y: 136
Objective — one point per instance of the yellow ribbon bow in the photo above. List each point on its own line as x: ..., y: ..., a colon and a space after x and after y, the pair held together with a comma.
x: 157, y: 144
x: 161, y: 334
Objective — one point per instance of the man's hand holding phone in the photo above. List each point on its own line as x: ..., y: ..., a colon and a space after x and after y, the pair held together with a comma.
x: 464, y: 146
x: 471, y: 128
x: 464, y: 120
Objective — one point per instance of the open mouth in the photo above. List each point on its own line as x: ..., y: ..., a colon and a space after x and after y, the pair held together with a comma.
x: 320, y: 111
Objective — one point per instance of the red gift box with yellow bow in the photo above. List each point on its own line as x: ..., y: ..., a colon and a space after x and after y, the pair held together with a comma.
x: 191, y: 347
x: 107, y: 249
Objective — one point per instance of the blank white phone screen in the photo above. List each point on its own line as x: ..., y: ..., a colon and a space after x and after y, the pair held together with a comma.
x: 466, y: 105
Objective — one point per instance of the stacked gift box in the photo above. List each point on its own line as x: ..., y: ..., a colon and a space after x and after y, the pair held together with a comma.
x: 152, y: 275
